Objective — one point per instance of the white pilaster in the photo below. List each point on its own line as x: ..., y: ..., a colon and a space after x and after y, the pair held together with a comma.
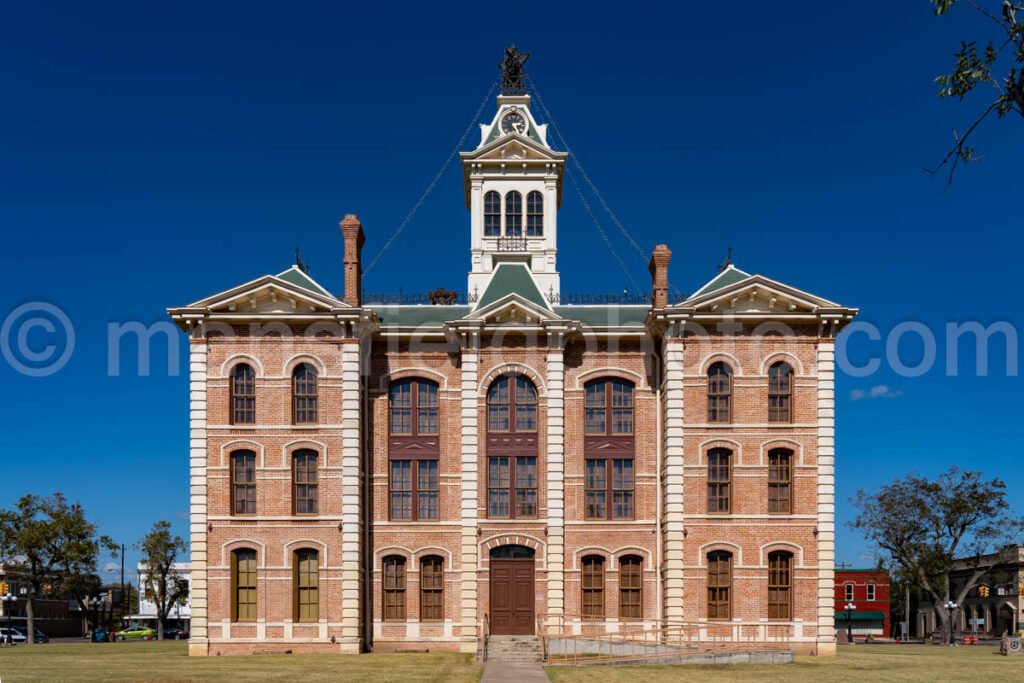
x: 673, y: 521
x: 556, y: 472
x: 469, y: 556
x: 351, y: 487
x: 826, y: 497
x: 199, y: 642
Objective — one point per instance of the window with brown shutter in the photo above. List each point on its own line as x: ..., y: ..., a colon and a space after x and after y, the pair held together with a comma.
x: 305, y: 484
x: 719, y: 480
x: 719, y: 585
x: 593, y: 587
x: 394, y: 588
x: 243, y: 483
x: 243, y: 580
x: 630, y: 585
x: 307, y: 586
x: 780, y: 480
x: 431, y: 589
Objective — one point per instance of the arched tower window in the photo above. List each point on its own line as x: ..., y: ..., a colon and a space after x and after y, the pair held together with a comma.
x: 512, y: 448
x: 534, y: 214
x: 719, y: 393
x: 492, y: 214
x: 304, y: 394
x: 780, y: 392
x: 243, y: 394
x: 513, y: 214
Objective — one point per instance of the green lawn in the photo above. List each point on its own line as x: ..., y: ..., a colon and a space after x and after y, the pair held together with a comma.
x: 169, y: 661
x: 857, y: 664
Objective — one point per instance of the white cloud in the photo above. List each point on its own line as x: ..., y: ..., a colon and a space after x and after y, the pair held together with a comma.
x: 877, y: 391
x: 111, y: 567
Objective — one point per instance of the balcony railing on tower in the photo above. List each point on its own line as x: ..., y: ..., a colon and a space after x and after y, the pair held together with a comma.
x: 512, y: 244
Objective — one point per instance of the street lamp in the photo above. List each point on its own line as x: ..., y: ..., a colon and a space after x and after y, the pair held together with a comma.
x: 8, y: 604
x: 95, y: 603
x: 849, y: 621
x: 950, y: 606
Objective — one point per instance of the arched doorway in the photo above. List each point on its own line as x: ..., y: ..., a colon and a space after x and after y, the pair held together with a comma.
x: 512, y: 590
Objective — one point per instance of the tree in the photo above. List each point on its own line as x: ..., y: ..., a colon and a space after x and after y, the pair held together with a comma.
x: 919, y: 526
x: 160, y: 550
x: 1001, y: 66
x: 53, y: 544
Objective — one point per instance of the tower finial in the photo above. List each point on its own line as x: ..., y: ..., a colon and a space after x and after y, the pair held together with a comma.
x: 728, y: 260
x: 512, y: 72
x: 299, y: 262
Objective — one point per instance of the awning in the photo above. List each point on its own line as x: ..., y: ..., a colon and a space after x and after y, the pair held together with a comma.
x: 861, y: 616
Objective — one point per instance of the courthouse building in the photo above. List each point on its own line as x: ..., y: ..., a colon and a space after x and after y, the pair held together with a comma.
x: 369, y: 476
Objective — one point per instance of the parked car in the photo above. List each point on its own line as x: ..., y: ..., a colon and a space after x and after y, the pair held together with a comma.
x: 135, y: 633
x: 12, y: 635
x: 174, y: 633
x: 40, y: 636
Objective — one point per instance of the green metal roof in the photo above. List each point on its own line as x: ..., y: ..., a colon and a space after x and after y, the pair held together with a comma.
x: 861, y: 616
x: 511, y: 278
x: 612, y: 315
x: 415, y: 316
x: 730, y: 276
x: 300, y: 279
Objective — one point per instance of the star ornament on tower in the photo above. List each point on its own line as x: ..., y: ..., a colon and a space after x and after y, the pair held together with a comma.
x: 512, y: 72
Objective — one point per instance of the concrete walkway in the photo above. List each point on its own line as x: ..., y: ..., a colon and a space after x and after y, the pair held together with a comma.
x: 513, y: 672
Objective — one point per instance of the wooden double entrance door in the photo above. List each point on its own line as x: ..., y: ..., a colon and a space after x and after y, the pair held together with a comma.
x: 513, y: 591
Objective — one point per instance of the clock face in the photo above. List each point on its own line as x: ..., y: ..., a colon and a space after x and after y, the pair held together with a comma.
x: 514, y: 122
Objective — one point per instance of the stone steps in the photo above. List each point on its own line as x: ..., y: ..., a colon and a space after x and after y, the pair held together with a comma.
x: 514, y: 649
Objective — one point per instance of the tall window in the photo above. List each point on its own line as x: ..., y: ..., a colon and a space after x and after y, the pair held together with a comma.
x: 243, y: 483
x: 394, y: 588
x: 307, y: 585
x: 719, y: 393
x: 719, y: 480
x: 304, y: 394
x: 780, y: 585
x: 871, y: 591
x: 508, y: 396
x: 849, y: 591
x: 630, y: 584
x: 305, y: 482
x: 492, y: 214
x: 511, y: 478
x: 719, y: 585
x: 534, y: 214
x: 608, y: 418
x: 414, y: 453
x: 780, y: 392
x: 431, y: 589
x: 514, y: 214
x: 243, y: 394
x: 780, y: 480
x: 243, y: 578
x: 593, y: 587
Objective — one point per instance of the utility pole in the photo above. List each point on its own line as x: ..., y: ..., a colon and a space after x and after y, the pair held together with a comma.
x: 124, y: 592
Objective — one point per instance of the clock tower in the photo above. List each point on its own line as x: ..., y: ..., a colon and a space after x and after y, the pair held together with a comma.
x: 513, y: 186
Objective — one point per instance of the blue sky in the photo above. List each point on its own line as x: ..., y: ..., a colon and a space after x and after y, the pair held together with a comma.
x: 150, y: 156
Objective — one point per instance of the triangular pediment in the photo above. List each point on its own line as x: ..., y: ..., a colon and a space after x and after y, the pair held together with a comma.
x: 511, y: 148
x: 756, y: 294
x: 270, y: 294
x: 512, y: 308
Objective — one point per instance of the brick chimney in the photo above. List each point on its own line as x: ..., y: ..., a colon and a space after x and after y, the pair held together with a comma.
x: 659, y: 276
x: 352, y: 230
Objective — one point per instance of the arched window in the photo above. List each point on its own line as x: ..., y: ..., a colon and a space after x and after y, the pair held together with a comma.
x: 304, y: 394
x: 431, y: 588
x: 719, y: 585
x: 534, y: 214
x: 243, y: 585
x: 780, y: 392
x: 306, y: 579
x: 780, y: 585
x: 608, y: 449
x: 243, y: 483
x: 305, y: 482
x: 780, y: 480
x: 719, y: 480
x: 513, y: 214
x: 243, y: 394
x: 492, y: 214
x: 719, y: 393
x: 593, y: 587
x: 630, y: 586
x: 512, y: 462
x: 394, y: 588
x: 413, y: 450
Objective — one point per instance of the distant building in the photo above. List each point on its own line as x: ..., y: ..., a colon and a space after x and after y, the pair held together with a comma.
x: 868, y: 591
x: 1002, y: 610
x: 180, y: 615
x: 54, y: 615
